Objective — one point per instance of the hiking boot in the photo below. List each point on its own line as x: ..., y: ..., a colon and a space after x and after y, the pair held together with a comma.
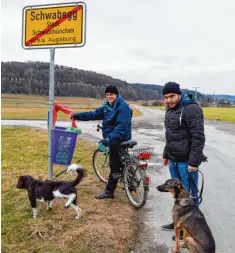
x: 105, y: 196
x: 181, y: 236
x: 168, y: 227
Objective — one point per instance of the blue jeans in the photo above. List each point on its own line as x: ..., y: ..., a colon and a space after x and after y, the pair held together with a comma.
x: 180, y: 170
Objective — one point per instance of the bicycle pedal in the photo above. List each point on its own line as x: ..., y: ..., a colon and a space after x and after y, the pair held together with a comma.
x: 116, y: 176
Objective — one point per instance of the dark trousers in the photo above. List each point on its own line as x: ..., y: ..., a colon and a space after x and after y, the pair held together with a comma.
x: 115, y: 166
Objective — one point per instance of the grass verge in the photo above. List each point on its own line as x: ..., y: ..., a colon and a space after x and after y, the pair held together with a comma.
x: 106, y: 226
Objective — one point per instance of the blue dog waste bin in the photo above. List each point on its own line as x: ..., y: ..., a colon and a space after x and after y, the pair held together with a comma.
x: 63, y: 147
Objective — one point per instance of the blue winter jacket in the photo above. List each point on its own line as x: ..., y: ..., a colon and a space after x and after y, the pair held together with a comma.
x: 116, y: 120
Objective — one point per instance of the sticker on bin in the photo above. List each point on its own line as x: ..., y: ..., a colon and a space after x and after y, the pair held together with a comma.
x: 64, y: 143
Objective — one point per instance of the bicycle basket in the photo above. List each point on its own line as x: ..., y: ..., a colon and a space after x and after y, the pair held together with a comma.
x: 141, y: 153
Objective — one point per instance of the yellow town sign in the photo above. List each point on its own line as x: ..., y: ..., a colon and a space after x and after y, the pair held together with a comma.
x: 54, y: 25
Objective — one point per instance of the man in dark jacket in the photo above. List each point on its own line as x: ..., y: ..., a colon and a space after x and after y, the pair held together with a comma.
x: 116, y: 128
x: 185, y: 139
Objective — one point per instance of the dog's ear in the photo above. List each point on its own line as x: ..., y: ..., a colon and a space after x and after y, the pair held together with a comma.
x: 21, y: 179
x: 20, y: 182
x: 177, y: 184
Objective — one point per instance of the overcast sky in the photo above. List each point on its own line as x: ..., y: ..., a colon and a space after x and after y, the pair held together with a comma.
x: 191, y: 42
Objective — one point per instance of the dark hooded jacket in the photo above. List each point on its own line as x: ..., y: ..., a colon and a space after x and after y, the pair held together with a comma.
x: 185, y: 137
x: 116, y: 120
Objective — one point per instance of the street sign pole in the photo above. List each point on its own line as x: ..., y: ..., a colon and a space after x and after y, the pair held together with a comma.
x: 51, y: 104
x: 53, y: 26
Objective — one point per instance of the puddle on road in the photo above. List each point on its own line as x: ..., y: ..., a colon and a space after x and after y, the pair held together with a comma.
x: 222, y: 141
x: 147, y: 125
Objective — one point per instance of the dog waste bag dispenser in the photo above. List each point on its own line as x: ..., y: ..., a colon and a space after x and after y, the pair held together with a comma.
x: 64, y: 142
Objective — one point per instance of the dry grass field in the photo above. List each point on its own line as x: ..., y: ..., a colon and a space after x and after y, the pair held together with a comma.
x: 36, y: 107
x: 106, y: 226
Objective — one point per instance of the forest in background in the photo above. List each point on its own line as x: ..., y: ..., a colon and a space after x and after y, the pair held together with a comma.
x: 33, y: 78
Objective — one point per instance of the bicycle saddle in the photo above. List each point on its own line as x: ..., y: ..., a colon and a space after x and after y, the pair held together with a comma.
x: 128, y: 144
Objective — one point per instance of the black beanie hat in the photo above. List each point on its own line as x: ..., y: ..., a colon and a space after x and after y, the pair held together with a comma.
x: 111, y: 89
x: 171, y: 87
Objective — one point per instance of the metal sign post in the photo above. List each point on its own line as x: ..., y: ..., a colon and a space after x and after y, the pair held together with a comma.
x: 53, y: 26
x: 51, y: 104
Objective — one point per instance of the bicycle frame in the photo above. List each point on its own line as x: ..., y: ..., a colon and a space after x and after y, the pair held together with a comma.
x: 132, y: 175
x: 125, y: 159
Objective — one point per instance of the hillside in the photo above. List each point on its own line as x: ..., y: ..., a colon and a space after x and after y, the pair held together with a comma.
x: 158, y: 88
x: 33, y: 78
x: 230, y: 98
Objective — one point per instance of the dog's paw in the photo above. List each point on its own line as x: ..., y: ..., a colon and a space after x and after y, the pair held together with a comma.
x: 175, y: 250
x: 66, y: 206
x: 78, y: 217
x: 183, y: 245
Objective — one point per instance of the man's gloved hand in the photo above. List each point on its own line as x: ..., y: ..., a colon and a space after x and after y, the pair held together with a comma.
x: 102, y: 146
x: 105, y: 142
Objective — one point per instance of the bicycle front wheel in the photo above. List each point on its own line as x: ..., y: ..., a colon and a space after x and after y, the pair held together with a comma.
x: 135, y: 185
x: 100, y: 162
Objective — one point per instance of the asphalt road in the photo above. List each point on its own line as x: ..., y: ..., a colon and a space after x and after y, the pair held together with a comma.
x: 219, y: 192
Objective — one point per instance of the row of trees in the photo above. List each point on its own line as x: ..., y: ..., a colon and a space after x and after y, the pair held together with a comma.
x: 33, y: 78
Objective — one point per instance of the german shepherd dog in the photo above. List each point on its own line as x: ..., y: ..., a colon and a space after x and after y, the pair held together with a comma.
x: 47, y: 190
x: 187, y: 217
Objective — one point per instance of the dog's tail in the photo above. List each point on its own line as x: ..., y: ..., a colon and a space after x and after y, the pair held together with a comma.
x: 80, y: 170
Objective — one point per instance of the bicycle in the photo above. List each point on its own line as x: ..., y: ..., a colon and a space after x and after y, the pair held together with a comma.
x: 133, y: 170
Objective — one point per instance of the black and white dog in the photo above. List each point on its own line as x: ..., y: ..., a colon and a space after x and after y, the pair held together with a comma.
x: 47, y: 190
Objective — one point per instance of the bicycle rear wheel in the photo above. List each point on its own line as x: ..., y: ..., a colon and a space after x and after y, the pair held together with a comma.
x: 135, y: 185
x: 100, y: 162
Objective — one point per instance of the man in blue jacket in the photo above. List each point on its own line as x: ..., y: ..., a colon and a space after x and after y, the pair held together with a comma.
x: 185, y: 139
x: 116, y: 128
